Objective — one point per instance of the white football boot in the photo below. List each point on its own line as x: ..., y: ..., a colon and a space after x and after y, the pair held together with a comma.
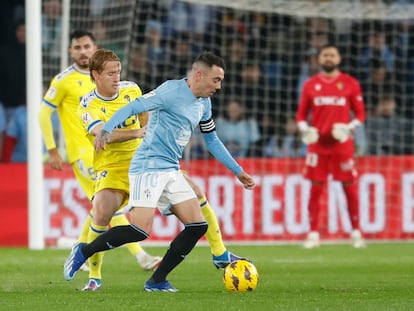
x: 312, y: 240
x: 148, y: 262
x: 357, y: 240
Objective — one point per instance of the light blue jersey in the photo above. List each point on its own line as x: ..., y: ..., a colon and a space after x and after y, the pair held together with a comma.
x: 175, y: 113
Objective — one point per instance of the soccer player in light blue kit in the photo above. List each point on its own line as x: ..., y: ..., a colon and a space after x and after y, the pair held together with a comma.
x: 177, y: 107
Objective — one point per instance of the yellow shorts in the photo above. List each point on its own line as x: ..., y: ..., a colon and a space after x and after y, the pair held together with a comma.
x: 113, y: 178
x: 85, y: 175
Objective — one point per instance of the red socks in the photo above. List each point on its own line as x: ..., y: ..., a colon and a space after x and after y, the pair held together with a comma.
x: 351, y: 194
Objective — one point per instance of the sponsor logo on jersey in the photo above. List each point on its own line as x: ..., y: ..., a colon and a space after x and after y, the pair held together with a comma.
x: 183, y: 137
x: 329, y: 101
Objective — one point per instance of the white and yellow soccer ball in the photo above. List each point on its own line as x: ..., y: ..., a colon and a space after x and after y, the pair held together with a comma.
x: 240, y: 276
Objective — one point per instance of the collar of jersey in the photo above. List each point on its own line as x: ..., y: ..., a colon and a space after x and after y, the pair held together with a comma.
x: 84, y: 72
x: 105, y: 98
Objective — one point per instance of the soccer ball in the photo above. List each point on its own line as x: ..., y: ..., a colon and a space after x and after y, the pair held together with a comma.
x: 240, y: 276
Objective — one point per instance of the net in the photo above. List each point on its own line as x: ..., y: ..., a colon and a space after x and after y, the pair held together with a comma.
x: 110, y: 22
x: 270, y: 49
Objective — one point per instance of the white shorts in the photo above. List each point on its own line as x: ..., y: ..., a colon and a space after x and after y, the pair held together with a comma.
x: 159, y: 190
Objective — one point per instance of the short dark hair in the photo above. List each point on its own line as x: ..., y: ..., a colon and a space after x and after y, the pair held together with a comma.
x: 210, y: 59
x: 328, y: 46
x: 76, y: 34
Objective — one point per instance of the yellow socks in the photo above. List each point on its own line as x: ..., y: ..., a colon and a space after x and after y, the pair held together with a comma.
x: 83, y: 238
x: 213, y: 234
x: 95, y: 261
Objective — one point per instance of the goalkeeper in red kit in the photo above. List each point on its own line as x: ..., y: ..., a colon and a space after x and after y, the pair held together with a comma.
x: 331, y: 107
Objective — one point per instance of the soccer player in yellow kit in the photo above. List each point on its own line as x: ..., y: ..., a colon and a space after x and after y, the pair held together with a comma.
x: 64, y: 94
x: 111, y: 167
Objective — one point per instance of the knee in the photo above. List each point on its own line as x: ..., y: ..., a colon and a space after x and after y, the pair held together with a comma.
x: 197, y: 229
x: 101, y: 219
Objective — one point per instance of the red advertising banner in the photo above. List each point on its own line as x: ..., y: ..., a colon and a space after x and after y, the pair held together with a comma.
x: 274, y: 211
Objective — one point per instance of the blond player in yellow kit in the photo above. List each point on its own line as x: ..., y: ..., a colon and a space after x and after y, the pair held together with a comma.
x: 64, y: 94
x: 111, y: 167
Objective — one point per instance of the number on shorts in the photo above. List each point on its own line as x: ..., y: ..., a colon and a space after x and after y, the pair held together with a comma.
x: 311, y: 159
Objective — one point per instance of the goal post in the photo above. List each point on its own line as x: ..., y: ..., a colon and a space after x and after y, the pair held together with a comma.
x: 34, y: 91
x: 49, y: 23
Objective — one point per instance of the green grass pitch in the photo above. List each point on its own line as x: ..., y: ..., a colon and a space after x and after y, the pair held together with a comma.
x: 333, y: 277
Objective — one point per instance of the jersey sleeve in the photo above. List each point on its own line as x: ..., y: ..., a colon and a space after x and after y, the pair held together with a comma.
x: 89, y: 115
x: 220, y: 152
x: 147, y: 102
x: 52, y: 99
x: 55, y: 94
x: 46, y: 125
x: 357, y: 102
x: 304, y: 104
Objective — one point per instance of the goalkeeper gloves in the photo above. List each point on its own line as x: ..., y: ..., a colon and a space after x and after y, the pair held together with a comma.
x: 309, y: 134
x: 342, y: 131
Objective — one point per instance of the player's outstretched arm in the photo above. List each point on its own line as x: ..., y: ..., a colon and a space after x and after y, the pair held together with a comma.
x: 119, y: 135
x: 103, y: 137
x: 220, y: 152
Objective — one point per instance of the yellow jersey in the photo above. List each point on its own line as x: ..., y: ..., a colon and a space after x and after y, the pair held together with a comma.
x: 64, y: 94
x: 95, y: 109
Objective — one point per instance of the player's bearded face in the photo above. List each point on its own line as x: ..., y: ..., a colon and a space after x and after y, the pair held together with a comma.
x: 329, y: 60
x: 81, y: 51
x: 329, y: 67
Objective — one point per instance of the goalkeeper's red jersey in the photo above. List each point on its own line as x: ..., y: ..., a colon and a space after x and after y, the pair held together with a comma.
x: 328, y: 100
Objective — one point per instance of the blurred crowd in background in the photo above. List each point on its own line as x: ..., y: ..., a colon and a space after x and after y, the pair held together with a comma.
x: 268, y: 58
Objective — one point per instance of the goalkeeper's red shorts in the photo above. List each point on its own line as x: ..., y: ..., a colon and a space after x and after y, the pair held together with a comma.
x: 319, y: 166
